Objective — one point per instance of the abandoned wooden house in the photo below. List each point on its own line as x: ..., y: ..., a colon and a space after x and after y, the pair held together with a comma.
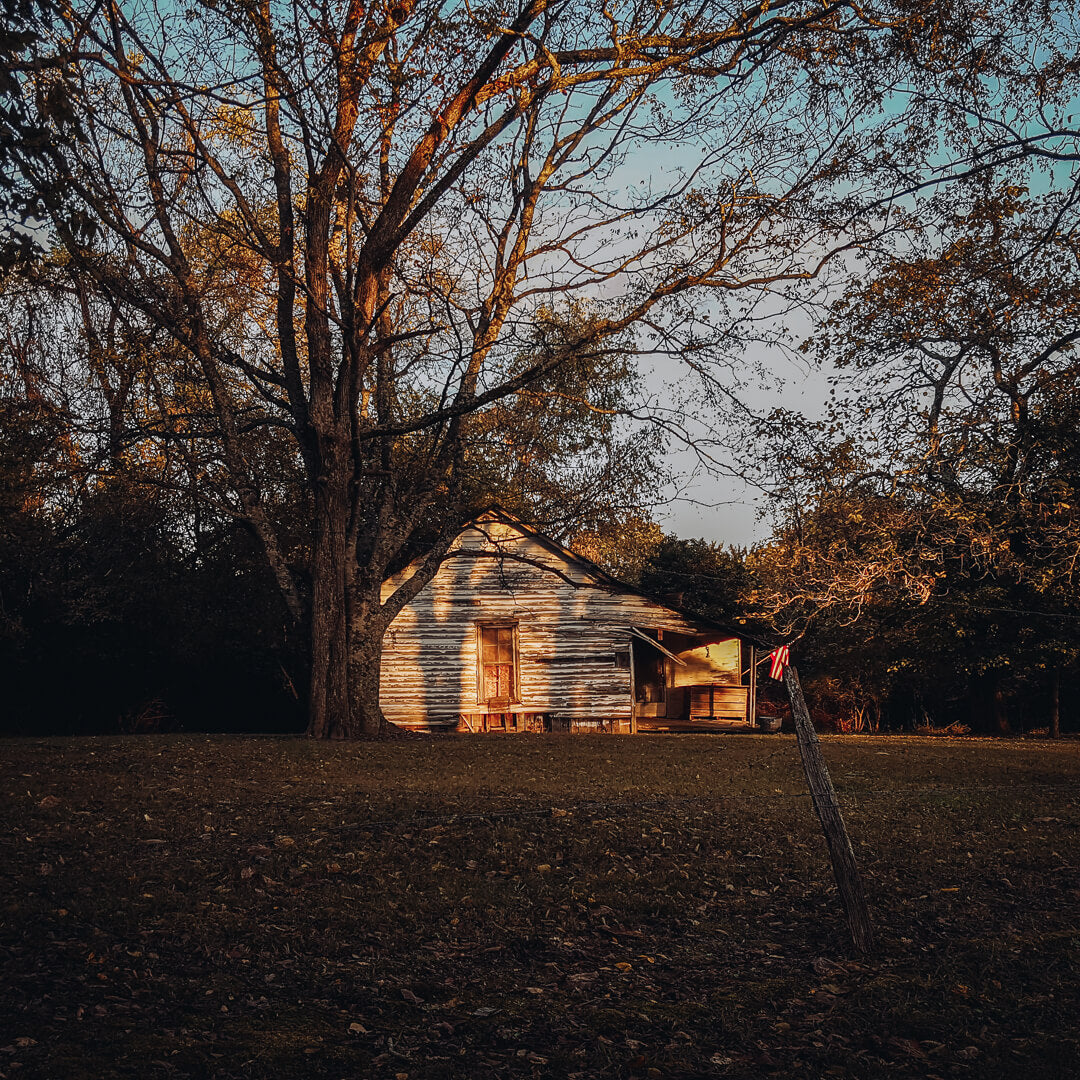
x: 517, y: 633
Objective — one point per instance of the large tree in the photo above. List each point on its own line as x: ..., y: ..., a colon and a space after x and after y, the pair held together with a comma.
x: 426, y: 208
x: 936, y: 509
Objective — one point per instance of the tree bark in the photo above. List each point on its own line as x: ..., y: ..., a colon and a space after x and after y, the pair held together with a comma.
x: 823, y: 796
x: 330, y: 704
x: 365, y: 661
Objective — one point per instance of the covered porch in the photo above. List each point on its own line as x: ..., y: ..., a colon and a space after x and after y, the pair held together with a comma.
x: 685, y: 682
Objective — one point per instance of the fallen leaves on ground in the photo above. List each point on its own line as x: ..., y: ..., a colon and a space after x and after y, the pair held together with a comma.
x: 648, y: 907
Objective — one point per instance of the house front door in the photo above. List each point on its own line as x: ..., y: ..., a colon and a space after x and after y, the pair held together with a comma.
x: 498, y: 675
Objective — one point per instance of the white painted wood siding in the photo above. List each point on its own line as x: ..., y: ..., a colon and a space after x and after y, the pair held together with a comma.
x: 569, y: 628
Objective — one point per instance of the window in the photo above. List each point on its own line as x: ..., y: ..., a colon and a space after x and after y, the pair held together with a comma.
x: 497, y: 648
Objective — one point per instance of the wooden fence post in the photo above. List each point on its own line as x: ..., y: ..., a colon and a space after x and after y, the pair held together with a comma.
x: 823, y: 795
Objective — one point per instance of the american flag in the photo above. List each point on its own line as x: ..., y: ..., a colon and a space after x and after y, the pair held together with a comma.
x: 780, y: 659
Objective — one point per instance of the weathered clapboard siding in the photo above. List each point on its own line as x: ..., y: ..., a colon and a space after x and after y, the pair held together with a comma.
x: 570, y: 623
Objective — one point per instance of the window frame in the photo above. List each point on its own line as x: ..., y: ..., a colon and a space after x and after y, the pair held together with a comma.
x: 498, y: 624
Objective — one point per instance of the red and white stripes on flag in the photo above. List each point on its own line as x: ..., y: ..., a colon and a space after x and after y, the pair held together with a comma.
x: 780, y: 658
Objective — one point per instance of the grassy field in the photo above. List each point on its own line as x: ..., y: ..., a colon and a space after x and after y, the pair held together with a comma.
x: 192, y: 906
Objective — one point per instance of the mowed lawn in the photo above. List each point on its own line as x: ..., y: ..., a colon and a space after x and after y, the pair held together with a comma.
x: 574, y: 906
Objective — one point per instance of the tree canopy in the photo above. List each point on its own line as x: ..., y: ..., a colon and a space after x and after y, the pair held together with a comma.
x: 935, y: 510
x: 366, y: 241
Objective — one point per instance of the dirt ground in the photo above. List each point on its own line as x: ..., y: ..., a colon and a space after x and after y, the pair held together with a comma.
x: 548, y: 906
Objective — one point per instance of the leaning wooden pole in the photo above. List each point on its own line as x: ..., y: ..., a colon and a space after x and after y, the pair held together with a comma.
x: 823, y: 795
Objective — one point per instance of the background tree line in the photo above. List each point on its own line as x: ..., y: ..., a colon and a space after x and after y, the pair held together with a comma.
x: 926, y: 531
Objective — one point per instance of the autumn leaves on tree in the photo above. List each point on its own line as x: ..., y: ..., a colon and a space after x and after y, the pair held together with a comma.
x: 368, y: 233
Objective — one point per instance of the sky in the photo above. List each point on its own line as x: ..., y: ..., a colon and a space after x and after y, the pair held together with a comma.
x: 729, y: 515
x: 726, y: 509
x: 723, y: 509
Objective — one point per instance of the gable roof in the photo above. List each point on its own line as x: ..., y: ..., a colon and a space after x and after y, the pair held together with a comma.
x: 496, y: 513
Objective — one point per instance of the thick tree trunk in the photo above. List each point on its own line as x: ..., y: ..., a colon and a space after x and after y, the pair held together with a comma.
x: 365, y: 661
x: 346, y: 652
x: 330, y: 713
